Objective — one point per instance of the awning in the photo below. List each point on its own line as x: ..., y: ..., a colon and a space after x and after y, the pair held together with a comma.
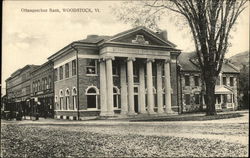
x: 222, y: 90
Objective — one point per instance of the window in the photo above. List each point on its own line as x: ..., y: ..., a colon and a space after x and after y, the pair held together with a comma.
x: 45, y: 83
x: 33, y: 87
x: 61, y: 100
x: 196, y: 80
x: 66, y: 70
x: 92, y: 93
x: 231, y: 81
x: 36, y: 85
x: 187, y: 81
x: 229, y: 98
x: 115, y: 70
x: 224, y: 81
x: 163, y: 71
x: 61, y: 72
x: 73, y: 67
x: 224, y: 98
x: 49, y: 82
x: 39, y: 85
x: 197, y: 99
x: 136, y: 73
x: 187, y: 99
x: 67, y: 99
x: 55, y: 74
x: 91, y: 67
x: 74, y: 94
x: 116, y: 97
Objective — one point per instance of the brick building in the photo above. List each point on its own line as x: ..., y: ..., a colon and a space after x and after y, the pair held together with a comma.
x: 42, y: 91
x: 18, y: 88
x: 192, y: 93
x: 128, y: 73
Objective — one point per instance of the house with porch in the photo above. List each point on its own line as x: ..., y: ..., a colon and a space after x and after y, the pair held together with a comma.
x: 192, y: 91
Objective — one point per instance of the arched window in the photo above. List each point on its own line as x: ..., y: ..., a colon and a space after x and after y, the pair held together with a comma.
x: 91, y: 93
x: 67, y: 99
x: 61, y: 100
x: 74, y: 94
x: 116, y: 94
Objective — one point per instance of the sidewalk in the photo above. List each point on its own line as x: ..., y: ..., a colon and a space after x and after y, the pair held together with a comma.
x: 235, y: 115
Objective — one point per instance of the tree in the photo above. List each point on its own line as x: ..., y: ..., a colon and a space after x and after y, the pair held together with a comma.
x: 244, y: 86
x: 210, y: 22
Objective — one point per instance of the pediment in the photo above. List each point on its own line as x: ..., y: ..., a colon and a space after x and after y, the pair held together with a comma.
x: 140, y: 37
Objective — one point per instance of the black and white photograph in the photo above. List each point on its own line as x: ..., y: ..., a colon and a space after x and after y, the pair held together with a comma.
x: 126, y: 78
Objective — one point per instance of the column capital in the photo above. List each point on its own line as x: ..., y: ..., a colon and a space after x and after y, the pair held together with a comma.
x: 130, y: 59
x: 167, y: 60
x: 150, y: 60
x: 106, y: 58
x: 101, y: 60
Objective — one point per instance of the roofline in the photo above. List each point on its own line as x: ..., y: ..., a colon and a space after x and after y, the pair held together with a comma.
x: 69, y: 47
x: 44, y: 64
x: 20, y: 71
x: 58, y: 52
x: 145, y: 29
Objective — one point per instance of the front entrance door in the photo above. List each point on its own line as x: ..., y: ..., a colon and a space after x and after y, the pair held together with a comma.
x: 136, y: 90
x: 136, y: 103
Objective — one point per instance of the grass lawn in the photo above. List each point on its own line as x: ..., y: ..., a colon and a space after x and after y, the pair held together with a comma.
x: 34, y: 141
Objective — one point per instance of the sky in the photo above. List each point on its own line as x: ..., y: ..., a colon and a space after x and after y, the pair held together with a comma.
x: 31, y: 37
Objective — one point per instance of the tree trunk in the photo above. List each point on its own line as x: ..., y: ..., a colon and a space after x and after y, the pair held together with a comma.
x: 210, y: 95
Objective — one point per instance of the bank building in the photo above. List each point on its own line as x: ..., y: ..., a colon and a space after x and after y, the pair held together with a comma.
x: 134, y: 72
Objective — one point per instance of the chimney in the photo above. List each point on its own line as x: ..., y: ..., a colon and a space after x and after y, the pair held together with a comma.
x: 164, y: 34
x: 92, y: 36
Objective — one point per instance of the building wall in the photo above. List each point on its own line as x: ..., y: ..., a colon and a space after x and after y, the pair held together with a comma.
x: 45, y: 93
x: 18, y: 85
x: 192, y: 90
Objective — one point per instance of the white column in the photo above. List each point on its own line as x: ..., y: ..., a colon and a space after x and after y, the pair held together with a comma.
x: 109, y: 75
x: 159, y: 88
x: 142, y: 105
x: 103, y: 88
x: 150, y: 94
x: 167, y: 86
x: 124, y: 90
x: 131, y: 106
x: 220, y: 77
